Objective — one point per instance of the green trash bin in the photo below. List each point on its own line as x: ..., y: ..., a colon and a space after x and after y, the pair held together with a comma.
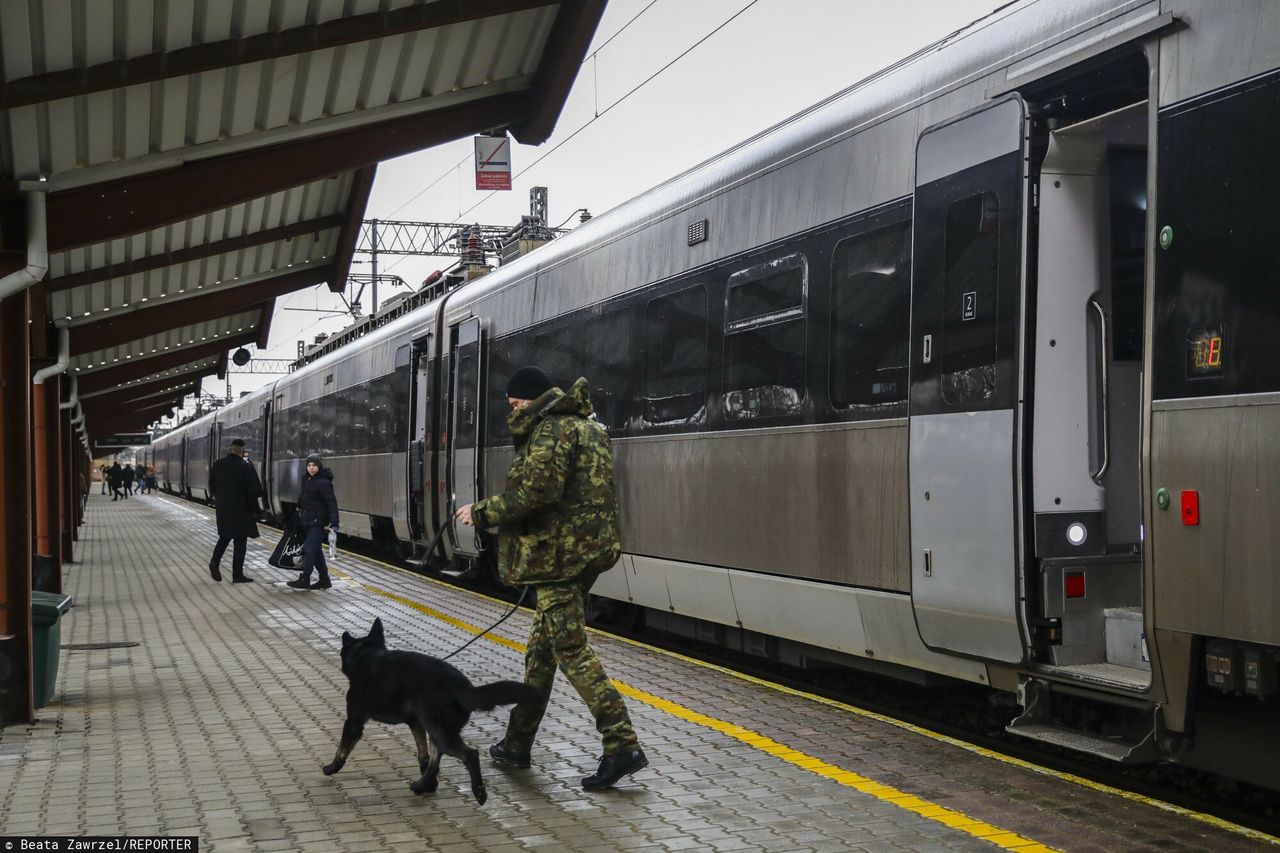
x: 46, y: 641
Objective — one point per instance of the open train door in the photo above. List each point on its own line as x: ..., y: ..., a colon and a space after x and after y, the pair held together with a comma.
x: 464, y: 430
x: 965, y: 409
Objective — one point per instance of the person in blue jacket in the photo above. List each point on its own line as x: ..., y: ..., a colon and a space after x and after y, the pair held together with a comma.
x: 317, y: 507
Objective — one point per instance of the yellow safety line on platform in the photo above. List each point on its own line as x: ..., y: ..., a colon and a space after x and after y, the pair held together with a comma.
x: 940, y: 814
x: 1201, y: 817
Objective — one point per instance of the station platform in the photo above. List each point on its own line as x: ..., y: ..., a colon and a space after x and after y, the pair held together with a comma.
x: 207, y: 709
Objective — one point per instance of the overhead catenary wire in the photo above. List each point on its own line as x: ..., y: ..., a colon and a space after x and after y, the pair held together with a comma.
x: 605, y: 111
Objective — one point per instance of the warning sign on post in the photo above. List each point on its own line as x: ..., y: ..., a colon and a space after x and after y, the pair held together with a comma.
x: 493, y: 163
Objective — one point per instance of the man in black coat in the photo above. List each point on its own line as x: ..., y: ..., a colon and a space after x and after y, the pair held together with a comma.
x: 236, y: 490
x: 116, y: 476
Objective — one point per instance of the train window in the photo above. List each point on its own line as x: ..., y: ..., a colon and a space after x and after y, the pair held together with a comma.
x: 870, y: 312
x: 606, y: 362
x: 675, y: 358
x: 369, y: 433
x: 381, y: 432
x: 312, y: 429
x: 301, y: 429
x: 554, y: 352
x: 506, y: 356
x: 279, y: 434
x: 764, y: 340
x: 971, y: 256
x: 339, y: 408
x: 365, y: 414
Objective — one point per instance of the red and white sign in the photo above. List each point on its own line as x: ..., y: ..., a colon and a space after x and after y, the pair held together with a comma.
x: 493, y: 163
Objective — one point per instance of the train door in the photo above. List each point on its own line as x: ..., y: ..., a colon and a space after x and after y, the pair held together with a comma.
x: 965, y: 422
x: 1085, y: 396
x: 464, y: 430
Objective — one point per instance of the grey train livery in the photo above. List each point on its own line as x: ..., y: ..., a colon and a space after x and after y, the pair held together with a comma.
x: 959, y: 374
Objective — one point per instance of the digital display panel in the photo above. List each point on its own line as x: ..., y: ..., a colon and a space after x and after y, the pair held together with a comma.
x: 1206, y: 349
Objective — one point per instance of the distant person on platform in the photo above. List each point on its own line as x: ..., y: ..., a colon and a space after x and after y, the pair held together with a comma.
x: 106, y: 477
x: 127, y: 476
x: 236, y: 489
x: 115, y: 476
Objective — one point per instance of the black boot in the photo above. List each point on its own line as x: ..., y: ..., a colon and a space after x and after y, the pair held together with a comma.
x: 323, y: 583
x: 241, y: 579
x: 505, y: 756
x: 614, y: 767
x: 301, y: 583
x: 213, y: 569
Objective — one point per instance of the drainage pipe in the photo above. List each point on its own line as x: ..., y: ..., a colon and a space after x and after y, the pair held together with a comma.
x: 37, y: 250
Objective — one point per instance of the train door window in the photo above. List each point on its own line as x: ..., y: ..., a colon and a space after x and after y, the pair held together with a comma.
x: 553, y: 351
x: 606, y: 362
x: 468, y: 368
x: 870, y: 316
x: 971, y: 256
x: 675, y: 358
x: 506, y: 356
x: 764, y: 343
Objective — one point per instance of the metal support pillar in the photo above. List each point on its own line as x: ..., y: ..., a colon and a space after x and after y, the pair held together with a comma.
x: 15, y: 513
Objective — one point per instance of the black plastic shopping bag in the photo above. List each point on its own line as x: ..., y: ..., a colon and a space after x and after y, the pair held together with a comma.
x: 288, y: 552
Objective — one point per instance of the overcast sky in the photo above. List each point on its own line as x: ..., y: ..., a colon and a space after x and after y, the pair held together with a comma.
x: 761, y: 61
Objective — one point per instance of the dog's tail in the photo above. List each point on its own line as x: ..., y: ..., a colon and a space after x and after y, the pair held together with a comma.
x: 489, y: 696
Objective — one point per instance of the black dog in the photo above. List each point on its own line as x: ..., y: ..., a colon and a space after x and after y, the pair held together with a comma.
x: 431, y: 696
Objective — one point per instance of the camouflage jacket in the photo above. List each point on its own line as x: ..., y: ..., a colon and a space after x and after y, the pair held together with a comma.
x: 558, y: 514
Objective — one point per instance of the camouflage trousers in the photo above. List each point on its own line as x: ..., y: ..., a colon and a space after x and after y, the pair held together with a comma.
x: 559, y: 639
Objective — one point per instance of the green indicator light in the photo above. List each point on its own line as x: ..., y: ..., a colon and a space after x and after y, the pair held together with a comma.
x: 1162, y: 498
x: 1166, y: 237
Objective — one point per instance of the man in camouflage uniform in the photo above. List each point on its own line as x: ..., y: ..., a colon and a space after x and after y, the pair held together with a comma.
x: 558, y: 520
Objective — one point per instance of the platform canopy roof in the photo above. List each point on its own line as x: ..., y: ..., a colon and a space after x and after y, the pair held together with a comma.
x: 200, y: 158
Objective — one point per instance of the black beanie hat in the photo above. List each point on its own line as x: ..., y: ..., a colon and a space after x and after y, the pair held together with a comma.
x: 529, y: 383
x: 316, y: 458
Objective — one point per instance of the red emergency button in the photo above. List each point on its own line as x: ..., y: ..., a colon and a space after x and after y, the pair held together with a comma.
x: 1190, y: 507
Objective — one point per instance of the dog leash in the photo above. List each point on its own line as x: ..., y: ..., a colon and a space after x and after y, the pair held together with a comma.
x: 523, y: 592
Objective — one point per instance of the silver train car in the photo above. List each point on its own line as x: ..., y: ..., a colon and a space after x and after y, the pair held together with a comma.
x: 959, y: 374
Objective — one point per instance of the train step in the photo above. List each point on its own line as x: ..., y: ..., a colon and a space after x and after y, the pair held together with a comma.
x: 1135, y: 742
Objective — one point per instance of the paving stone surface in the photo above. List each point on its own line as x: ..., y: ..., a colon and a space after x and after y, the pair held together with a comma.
x: 217, y: 722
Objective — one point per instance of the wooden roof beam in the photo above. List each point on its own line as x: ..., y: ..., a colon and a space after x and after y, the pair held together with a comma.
x: 361, y: 186
x: 127, y: 326
x: 149, y: 365
x: 105, y: 401
x: 196, y: 253
x: 82, y: 216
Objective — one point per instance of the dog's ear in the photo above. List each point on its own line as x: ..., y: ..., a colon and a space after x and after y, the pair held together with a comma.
x: 347, y: 639
x: 375, y: 633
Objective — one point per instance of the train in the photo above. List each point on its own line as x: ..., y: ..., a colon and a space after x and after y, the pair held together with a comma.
x: 958, y: 375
